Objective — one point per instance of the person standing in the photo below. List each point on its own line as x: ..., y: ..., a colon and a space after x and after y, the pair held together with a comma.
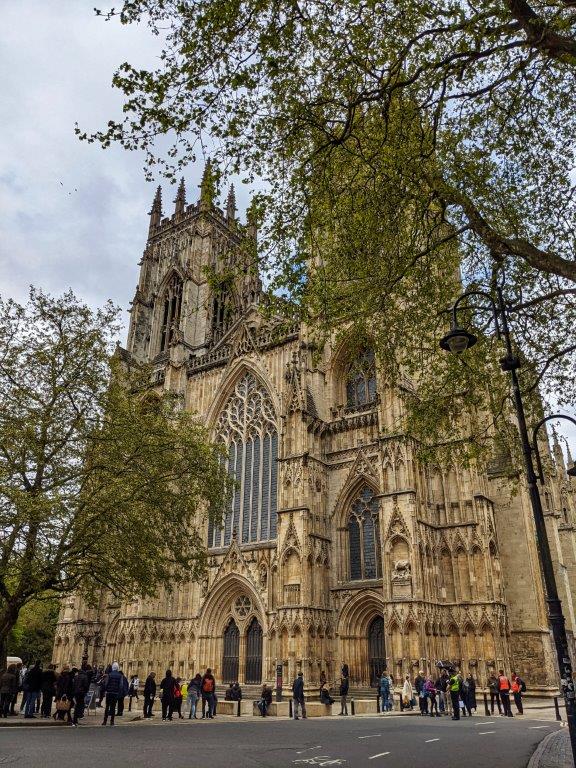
x: 265, y: 700
x: 178, y: 698
x: 431, y: 694
x: 209, y: 694
x: 384, y: 690
x: 494, y: 693
x: 454, y: 686
x: 344, y: 688
x: 407, y: 694
x: 518, y: 687
x: 133, y: 690
x: 298, y: 696
x: 113, y: 691
x: 123, y: 693
x: 504, y: 687
x: 441, y: 686
x: 81, y: 686
x: 194, y: 693
x: 8, y: 684
x: 20, y: 673
x: 32, y: 684
x: 167, y: 698
x: 149, y: 694
x: 48, y: 689
x: 419, y: 687
x: 468, y: 695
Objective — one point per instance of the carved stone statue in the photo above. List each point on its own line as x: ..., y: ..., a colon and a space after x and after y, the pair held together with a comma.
x: 402, y: 570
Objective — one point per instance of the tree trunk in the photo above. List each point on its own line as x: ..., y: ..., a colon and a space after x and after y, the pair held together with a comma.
x: 9, y: 613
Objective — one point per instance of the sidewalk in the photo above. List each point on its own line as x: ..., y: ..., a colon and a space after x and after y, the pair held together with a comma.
x: 553, y: 751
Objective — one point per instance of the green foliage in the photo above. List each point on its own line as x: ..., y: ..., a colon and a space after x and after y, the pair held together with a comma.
x: 103, y: 483
x: 32, y: 637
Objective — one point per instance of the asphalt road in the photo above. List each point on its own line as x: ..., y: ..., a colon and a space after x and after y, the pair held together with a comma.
x: 402, y: 742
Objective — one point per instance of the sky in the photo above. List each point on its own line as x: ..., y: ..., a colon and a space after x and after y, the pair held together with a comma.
x: 73, y: 215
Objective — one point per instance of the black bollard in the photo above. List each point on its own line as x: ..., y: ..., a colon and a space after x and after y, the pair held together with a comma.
x: 352, y: 710
x: 486, y: 707
x: 290, y: 713
x: 377, y: 704
x: 238, y: 709
x: 557, y: 708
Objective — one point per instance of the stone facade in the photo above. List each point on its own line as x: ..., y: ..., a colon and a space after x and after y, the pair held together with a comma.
x: 339, y: 546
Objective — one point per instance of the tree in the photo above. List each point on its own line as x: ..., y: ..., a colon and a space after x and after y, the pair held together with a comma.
x: 32, y: 637
x: 103, y: 482
x: 461, y: 114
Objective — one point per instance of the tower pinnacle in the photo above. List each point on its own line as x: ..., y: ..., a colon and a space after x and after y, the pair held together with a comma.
x: 207, y: 187
x: 180, y: 198
x: 231, y: 204
x: 156, y: 211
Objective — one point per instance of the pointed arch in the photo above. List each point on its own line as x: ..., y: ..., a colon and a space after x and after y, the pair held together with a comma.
x: 217, y: 608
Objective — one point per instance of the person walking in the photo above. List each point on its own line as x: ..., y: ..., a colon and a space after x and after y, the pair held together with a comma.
x: 149, y: 694
x: 419, y: 687
x: 454, y: 686
x: 265, y: 700
x: 298, y: 701
x: 504, y: 686
x: 209, y: 694
x: 48, y: 689
x: 167, y: 697
x: 493, y: 687
x: 113, y: 691
x: 518, y: 687
x: 133, y: 690
x: 8, y: 684
x: 33, y: 684
x: 81, y: 686
x: 344, y: 688
x: 431, y: 694
x: 384, y: 691
x: 407, y: 694
x: 194, y: 693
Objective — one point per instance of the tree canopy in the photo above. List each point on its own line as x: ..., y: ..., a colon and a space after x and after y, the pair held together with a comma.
x: 104, y: 484
x: 387, y: 134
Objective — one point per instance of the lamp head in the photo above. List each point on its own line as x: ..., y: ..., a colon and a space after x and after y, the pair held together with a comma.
x: 572, y: 471
x: 458, y: 340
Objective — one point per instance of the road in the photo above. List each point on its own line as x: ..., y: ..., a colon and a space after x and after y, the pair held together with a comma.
x: 401, y: 742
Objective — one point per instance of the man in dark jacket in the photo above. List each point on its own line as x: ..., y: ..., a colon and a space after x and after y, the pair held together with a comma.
x: 81, y: 686
x: 344, y: 687
x: 48, y: 690
x: 123, y: 694
x: 298, y: 696
x: 208, y: 694
x: 419, y: 683
x: 113, y: 693
x: 149, y: 694
x: 33, y: 683
x: 8, y: 684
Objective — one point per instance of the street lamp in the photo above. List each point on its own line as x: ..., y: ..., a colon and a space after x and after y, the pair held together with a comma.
x: 456, y: 342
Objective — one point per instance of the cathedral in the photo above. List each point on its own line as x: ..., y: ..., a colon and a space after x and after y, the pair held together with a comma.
x: 338, y: 546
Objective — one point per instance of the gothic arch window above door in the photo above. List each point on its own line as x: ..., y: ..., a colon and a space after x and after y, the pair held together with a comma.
x: 361, y: 381
x: 364, y: 549
x: 247, y: 427
x: 171, y: 311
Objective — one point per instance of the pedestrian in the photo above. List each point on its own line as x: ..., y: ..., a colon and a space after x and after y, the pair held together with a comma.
x: 178, y: 698
x: 8, y: 685
x: 81, y: 686
x: 323, y: 678
x: 208, y: 695
x: 113, y: 691
x: 64, y: 693
x: 344, y: 687
x: 298, y: 696
x: 504, y: 686
x: 48, y: 689
x: 325, y: 697
x: 407, y: 700
x: 149, y: 694
x: 493, y: 687
x: 133, y: 690
x: 384, y: 691
x: 468, y: 694
x: 441, y: 686
x: 167, y: 697
x: 518, y: 687
x: 431, y: 694
x: 229, y: 692
x: 265, y: 700
x: 184, y: 690
x: 194, y: 693
x: 33, y: 684
x: 419, y: 687
x: 454, y: 686
x: 345, y: 672
x: 123, y: 693
x: 20, y: 673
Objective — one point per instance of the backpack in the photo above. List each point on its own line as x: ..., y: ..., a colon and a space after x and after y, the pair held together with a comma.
x: 208, y: 685
x: 522, y: 686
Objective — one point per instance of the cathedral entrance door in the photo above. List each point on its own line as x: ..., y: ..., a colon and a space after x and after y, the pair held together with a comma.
x: 231, y: 653
x: 253, y: 669
x: 376, y: 650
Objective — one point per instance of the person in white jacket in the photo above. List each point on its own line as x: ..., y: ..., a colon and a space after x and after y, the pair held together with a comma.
x: 407, y: 693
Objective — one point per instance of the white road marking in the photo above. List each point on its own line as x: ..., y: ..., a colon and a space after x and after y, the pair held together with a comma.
x: 488, y: 722
x: 485, y: 733
x: 373, y: 736
x: 429, y: 740
x: 380, y: 754
x: 536, y: 727
x: 308, y: 749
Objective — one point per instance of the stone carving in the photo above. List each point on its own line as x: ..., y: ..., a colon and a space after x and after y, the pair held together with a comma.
x: 402, y: 571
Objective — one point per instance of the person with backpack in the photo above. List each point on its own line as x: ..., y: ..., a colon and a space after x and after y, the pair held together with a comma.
x: 167, y: 698
x: 208, y: 695
x: 518, y: 687
x: 113, y: 690
x: 504, y: 686
x: 81, y: 687
x: 194, y: 693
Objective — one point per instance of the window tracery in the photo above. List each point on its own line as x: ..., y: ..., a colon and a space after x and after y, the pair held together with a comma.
x: 364, y: 537
x: 361, y: 381
x: 247, y: 427
x: 171, y: 311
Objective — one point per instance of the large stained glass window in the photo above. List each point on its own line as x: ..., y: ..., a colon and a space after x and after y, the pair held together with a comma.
x: 364, y: 537
x: 247, y: 426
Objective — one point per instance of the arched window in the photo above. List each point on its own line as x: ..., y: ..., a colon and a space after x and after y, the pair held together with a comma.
x: 361, y: 381
x: 247, y: 427
x: 364, y: 537
x: 171, y: 311
x: 222, y: 310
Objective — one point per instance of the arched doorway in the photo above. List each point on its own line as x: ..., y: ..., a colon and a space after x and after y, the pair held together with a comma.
x: 253, y: 666
x: 231, y: 653
x: 376, y: 649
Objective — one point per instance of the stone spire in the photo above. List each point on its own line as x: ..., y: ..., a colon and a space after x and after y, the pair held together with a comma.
x: 557, y: 451
x: 207, y: 187
x: 180, y: 198
x: 156, y: 212
x: 231, y: 205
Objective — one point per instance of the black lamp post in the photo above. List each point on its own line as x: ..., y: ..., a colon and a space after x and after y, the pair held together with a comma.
x: 457, y: 341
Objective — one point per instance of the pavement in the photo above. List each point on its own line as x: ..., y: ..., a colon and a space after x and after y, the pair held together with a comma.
x: 354, y: 742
